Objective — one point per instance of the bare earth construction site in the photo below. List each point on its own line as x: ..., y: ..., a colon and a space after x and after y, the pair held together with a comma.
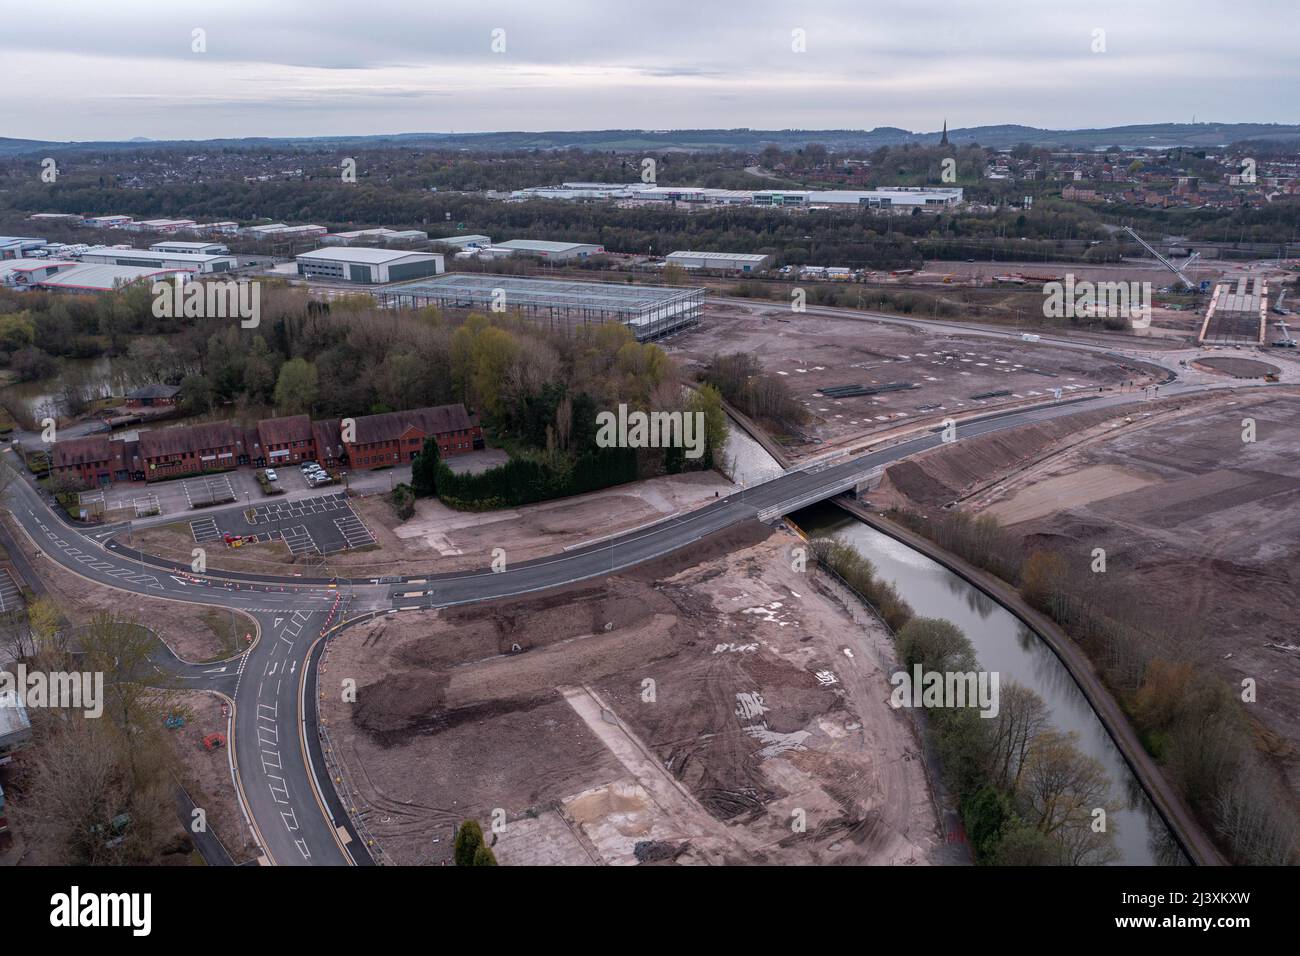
x: 712, y: 707
x: 946, y: 373
x: 1199, y: 518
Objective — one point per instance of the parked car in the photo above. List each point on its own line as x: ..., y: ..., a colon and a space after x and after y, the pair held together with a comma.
x: 271, y: 475
x: 308, y: 465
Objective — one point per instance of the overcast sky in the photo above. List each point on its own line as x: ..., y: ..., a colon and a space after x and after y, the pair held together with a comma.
x: 115, y: 69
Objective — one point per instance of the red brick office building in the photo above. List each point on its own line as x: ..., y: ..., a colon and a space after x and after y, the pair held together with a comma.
x: 394, y: 438
x: 190, y: 449
x: 378, y: 441
x: 285, y: 441
x: 91, y: 461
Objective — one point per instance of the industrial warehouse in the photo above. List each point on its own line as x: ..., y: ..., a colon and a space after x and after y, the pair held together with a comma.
x: 365, y: 264
x: 552, y: 251
x: 720, y: 261
x: 649, y: 311
x: 882, y: 197
x: 158, y: 259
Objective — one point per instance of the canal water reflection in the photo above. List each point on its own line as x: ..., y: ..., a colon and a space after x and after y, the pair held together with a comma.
x: 1002, y: 643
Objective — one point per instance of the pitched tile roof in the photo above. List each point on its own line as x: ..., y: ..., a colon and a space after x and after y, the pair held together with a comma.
x: 390, y: 426
x: 329, y: 440
x: 186, y: 439
x: 114, y: 455
x: 81, y: 451
x: 284, y: 431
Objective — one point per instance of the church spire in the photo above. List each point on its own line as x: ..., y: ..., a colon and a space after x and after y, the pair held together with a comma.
x: 944, y: 140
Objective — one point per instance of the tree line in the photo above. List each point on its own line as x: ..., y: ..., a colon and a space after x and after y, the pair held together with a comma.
x: 1154, y: 658
x: 1026, y: 792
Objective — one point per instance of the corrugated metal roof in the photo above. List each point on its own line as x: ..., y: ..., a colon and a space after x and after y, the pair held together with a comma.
x: 545, y: 245
x: 367, y: 254
x: 737, y: 256
x: 151, y: 255
x: 103, y: 277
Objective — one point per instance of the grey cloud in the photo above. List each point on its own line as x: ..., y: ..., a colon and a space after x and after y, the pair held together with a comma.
x: 122, y: 68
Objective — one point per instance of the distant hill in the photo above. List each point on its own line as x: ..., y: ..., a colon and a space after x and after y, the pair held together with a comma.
x: 9, y: 147
x: 749, y: 140
x: 1147, y: 135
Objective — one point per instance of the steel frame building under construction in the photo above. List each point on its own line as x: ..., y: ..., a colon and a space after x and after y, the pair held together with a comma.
x: 1237, y: 314
x: 559, y: 304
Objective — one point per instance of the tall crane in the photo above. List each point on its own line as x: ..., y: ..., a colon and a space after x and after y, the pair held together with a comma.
x: 1177, y: 271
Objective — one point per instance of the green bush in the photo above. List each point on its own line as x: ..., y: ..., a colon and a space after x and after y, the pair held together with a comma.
x: 403, y: 501
x: 469, y: 840
x: 860, y: 575
x: 524, y: 480
x: 986, y: 813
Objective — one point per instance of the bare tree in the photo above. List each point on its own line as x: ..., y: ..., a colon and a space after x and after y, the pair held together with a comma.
x: 15, y: 636
x: 1022, y: 717
x: 1061, y: 790
x: 1255, y: 819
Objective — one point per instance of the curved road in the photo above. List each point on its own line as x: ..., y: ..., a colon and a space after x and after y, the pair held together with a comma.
x: 274, y: 750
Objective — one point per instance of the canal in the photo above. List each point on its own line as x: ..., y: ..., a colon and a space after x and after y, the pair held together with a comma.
x: 1003, y: 644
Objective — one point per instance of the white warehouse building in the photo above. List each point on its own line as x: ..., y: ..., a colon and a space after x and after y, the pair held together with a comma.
x: 191, y: 248
x: 160, y: 225
x: 107, y: 222
x: 150, y: 258
x: 885, y: 197
x: 381, y: 234
x: 367, y: 264
x: 720, y: 261
x: 465, y: 242
x: 551, y: 251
